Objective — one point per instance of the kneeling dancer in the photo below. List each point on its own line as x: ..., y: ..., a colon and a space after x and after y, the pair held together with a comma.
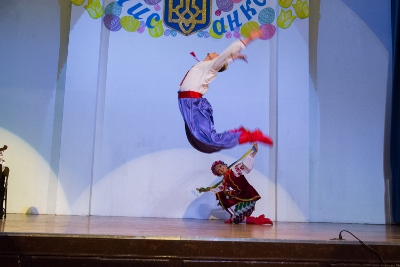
x: 234, y: 193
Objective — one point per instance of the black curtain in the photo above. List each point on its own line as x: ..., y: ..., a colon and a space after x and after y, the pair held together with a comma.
x: 395, y: 131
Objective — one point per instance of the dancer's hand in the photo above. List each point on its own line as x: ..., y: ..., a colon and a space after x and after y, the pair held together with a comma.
x: 255, y: 34
x: 255, y: 149
x: 240, y: 56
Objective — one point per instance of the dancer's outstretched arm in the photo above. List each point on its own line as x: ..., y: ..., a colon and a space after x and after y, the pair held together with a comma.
x: 233, y: 50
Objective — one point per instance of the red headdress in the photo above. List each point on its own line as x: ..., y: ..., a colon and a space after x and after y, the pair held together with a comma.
x: 215, y: 164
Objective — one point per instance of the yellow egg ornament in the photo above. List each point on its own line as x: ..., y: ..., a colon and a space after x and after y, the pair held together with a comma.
x: 248, y: 27
x: 129, y: 23
x: 213, y: 33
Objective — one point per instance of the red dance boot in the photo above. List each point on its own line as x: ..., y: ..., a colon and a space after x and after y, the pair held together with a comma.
x: 264, y: 220
x: 250, y: 220
x: 237, y: 130
x: 229, y: 220
x: 245, y: 136
x: 259, y: 220
x: 258, y: 136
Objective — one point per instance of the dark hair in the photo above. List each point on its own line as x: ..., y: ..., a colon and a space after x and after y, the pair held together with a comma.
x: 224, y: 68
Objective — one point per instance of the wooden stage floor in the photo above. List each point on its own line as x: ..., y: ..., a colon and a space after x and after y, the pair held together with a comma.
x: 38, y: 240
x: 194, y: 229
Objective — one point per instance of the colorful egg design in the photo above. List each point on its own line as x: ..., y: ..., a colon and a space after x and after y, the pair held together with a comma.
x: 213, y: 33
x: 248, y: 27
x: 266, y: 15
x: 113, y: 8
x: 225, y: 5
x: 112, y: 22
x: 268, y: 31
x: 152, y: 2
x: 129, y: 23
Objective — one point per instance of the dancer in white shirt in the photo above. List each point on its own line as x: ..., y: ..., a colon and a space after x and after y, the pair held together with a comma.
x: 197, y: 111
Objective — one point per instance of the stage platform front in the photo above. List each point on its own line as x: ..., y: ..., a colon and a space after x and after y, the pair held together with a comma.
x: 49, y: 240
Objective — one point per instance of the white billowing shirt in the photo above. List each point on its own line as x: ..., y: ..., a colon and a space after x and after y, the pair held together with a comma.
x: 201, y: 74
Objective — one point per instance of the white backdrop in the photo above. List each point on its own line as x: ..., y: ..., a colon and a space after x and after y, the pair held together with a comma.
x: 121, y: 149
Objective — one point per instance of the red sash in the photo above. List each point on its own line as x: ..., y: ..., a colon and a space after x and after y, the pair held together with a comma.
x: 189, y: 94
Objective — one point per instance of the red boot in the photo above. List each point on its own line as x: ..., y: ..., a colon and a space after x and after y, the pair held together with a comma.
x: 229, y: 220
x: 250, y: 220
x: 264, y: 220
x: 237, y: 130
x: 258, y: 136
x: 259, y: 220
x: 245, y: 136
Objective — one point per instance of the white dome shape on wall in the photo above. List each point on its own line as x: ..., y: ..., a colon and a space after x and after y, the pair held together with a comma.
x: 163, y: 184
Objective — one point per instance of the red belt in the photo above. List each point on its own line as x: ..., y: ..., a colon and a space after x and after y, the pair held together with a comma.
x: 189, y: 94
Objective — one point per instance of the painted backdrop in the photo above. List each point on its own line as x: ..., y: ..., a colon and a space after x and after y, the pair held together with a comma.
x: 90, y: 114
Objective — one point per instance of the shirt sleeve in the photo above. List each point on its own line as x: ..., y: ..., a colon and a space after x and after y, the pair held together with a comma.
x: 244, y: 167
x: 226, y: 56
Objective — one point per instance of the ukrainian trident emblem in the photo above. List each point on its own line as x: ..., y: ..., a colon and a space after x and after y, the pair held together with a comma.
x: 187, y: 16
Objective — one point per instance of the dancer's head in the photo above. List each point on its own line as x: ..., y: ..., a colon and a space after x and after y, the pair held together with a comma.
x: 211, y: 56
x: 219, y: 168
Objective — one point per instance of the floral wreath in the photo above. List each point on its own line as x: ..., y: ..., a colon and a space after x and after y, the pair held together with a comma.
x: 215, y: 165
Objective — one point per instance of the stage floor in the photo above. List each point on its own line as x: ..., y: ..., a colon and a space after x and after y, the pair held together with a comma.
x: 192, y: 229
x: 50, y: 240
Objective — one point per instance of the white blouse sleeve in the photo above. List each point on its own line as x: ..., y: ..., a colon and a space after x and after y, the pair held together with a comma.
x: 244, y: 167
x: 226, y: 56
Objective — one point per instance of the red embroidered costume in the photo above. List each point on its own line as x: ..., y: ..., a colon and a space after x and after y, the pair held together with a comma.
x: 234, y: 193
